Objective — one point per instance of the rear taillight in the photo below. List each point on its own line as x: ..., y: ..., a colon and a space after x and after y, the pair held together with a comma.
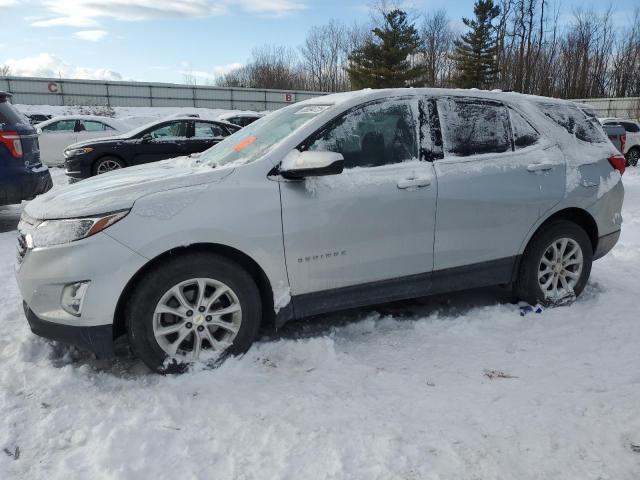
x: 12, y: 141
x: 623, y: 140
x: 618, y: 162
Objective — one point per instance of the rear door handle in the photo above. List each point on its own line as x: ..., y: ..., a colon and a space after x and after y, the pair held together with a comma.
x: 539, y: 167
x: 414, y: 183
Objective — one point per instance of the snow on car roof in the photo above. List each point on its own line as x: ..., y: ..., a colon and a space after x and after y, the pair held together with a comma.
x: 108, y: 120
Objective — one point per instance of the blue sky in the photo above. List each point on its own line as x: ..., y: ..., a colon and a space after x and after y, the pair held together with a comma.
x: 157, y: 40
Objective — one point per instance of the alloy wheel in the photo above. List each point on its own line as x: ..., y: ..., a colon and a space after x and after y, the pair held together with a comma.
x: 107, y: 166
x: 201, y: 314
x: 560, y: 268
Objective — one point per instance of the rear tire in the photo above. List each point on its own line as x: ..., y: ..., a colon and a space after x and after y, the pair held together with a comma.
x: 107, y: 164
x: 632, y: 156
x: 227, y: 287
x: 556, y: 264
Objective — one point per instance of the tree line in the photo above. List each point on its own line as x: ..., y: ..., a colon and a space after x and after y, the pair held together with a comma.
x: 521, y: 45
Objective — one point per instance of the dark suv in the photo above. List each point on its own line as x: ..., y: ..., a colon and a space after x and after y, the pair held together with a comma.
x: 22, y: 175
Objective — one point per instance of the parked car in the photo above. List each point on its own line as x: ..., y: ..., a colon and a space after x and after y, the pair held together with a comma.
x: 618, y: 136
x: 331, y: 203
x: 240, y: 119
x: 60, y: 132
x: 35, y: 118
x: 149, y: 143
x: 22, y: 175
x: 632, y: 143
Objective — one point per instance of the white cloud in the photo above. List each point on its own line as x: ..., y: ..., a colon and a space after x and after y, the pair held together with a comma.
x: 222, y: 69
x: 8, y: 3
x: 91, y: 35
x: 47, y: 65
x: 85, y: 13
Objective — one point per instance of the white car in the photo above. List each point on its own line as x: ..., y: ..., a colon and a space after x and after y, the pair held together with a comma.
x: 58, y: 133
x: 242, y: 119
x: 632, y: 142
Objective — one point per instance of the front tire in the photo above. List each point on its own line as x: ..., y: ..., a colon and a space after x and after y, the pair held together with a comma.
x: 190, y: 305
x: 556, y: 264
x: 107, y: 164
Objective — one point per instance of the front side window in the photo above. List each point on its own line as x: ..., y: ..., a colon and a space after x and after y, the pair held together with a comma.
x: 61, y: 126
x: 372, y: 135
x: 208, y: 130
x: 630, y: 127
x: 169, y: 131
x: 524, y: 134
x: 473, y: 127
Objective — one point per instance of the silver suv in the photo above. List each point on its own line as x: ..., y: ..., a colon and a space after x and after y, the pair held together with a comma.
x: 340, y: 201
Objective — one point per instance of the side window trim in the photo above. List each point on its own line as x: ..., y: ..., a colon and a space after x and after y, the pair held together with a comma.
x: 510, y: 109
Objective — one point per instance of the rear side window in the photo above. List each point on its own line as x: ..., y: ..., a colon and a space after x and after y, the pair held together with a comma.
x: 473, y: 127
x: 574, y: 122
x: 524, y: 134
x: 372, y: 135
x: 209, y: 130
x: 8, y: 114
x: 630, y: 127
x: 94, y: 126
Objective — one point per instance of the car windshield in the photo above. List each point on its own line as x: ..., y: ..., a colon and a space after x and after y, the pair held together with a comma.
x: 254, y: 141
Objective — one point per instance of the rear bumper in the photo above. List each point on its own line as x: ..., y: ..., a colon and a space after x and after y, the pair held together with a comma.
x: 24, y: 185
x: 98, y: 339
x: 605, y: 244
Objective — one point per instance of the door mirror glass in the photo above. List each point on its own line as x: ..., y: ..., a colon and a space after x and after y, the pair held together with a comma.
x: 298, y: 165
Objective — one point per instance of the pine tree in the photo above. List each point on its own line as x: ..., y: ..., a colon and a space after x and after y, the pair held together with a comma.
x: 384, y: 60
x: 476, y: 50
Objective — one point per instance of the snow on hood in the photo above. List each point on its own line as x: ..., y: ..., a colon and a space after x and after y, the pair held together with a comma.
x: 120, y: 189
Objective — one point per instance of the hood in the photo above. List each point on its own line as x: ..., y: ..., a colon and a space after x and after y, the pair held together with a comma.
x: 120, y: 189
x: 98, y: 141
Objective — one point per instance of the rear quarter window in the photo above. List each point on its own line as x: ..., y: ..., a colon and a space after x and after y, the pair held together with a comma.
x: 574, y: 121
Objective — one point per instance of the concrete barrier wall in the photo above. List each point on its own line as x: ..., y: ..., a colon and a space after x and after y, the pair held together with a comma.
x: 628, y: 107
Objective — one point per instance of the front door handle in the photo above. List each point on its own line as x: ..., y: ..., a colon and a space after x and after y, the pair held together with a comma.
x: 417, y: 182
x: 539, y: 167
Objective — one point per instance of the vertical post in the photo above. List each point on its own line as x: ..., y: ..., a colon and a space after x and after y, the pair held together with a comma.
x: 150, y: 96
x: 231, y: 95
x: 265, y: 100
x: 193, y: 95
x: 106, y: 85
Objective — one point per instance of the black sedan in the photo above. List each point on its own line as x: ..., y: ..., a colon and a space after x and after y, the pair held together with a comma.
x: 156, y: 141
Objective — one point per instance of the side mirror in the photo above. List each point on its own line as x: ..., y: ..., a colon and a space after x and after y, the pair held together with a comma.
x: 298, y: 165
x: 146, y: 138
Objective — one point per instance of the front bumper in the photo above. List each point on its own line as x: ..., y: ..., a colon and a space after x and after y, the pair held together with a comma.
x: 78, y: 168
x: 97, y: 339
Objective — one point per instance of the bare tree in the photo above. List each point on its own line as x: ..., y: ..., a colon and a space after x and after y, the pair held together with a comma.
x: 324, y: 56
x: 437, y: 43
x: 5, y: 70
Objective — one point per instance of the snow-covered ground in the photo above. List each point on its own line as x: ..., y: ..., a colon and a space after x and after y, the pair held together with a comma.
x: 452, y: 387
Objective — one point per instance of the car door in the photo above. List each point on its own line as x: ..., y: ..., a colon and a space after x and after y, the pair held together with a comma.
x: 162, y: 141
x: 373, y: 222
x: 492, y: 186
x: 54, y: 138
x: 205, y: 135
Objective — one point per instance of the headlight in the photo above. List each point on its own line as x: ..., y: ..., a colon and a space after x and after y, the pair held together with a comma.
x: 74, y: 152
x: 58, y: 232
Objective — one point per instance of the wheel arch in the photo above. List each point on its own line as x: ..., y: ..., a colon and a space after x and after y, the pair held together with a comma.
x: 107, y: 154
x: 579, y: 216
x: 248, y: 263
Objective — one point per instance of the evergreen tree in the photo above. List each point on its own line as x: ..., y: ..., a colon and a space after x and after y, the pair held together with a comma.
x: 384, y: 60
x: 476, y: 50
